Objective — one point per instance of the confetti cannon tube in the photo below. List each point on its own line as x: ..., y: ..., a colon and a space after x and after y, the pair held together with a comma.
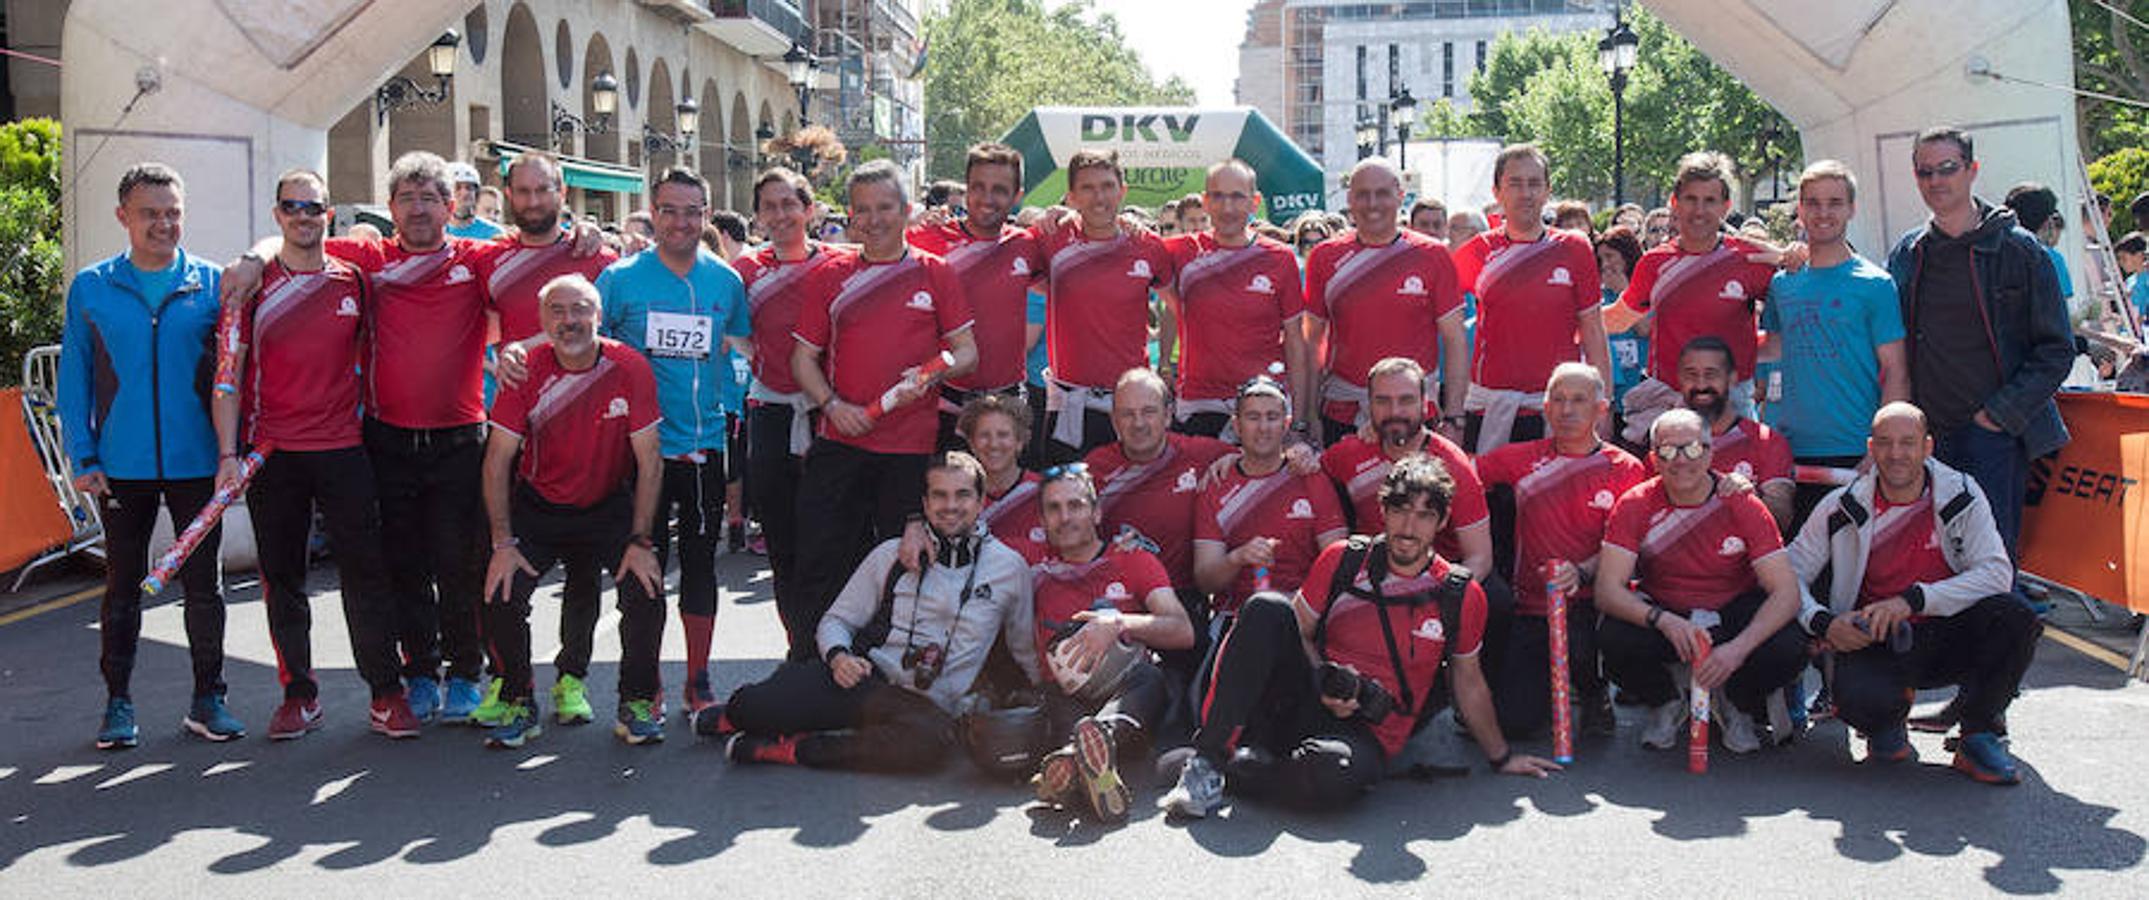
x: 1556, y: 630
x: 927, y: 373
x: 183, y: 547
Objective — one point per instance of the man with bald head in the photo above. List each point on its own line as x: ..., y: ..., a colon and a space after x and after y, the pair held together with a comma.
x: 1237, y: 307
x: 1386, y: 291
x: 1911, y: 588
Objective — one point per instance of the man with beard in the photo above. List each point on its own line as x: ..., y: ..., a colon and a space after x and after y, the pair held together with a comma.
x: 1755, y: 451
x: 1239, y: 310
x: 572, y: 475
x: 996, y: 264
x: 1386, y: 291
x: 1098, y: 607
x: 1260, y: 526
x: 898, y: 650
x: 296, y: 353
x: 682, y: 307
x: 1359, y: 464
x: 792, y: 272
x: 1565, y: 485
x: 1313, y: 696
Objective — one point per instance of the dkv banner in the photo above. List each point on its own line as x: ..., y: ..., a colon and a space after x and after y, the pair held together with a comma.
x: 1167, y: 152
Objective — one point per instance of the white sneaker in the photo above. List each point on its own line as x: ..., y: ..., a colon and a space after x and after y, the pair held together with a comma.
x: 1781, y: 729
x: 1738, y: 726
x: 1661, y: 730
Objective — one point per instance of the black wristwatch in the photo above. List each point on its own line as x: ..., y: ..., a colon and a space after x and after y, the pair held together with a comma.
x: 1821, y: 621
x: 1501, y: 763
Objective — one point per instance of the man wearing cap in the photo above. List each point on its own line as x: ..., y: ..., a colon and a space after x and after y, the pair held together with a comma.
x: 465, y: 222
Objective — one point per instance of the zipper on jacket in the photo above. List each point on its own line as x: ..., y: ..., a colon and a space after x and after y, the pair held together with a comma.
x: 156, y: 394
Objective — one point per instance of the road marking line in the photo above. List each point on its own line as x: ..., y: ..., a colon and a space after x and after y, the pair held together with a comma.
x: 50, y: 605
x: 2087, y: 648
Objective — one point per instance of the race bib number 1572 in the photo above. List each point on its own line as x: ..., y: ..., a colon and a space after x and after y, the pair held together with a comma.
x: 678, y: 336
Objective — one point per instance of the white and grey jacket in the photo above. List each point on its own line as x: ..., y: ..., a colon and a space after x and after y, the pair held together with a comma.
x: 926, y: 610
x: 1829, y: 553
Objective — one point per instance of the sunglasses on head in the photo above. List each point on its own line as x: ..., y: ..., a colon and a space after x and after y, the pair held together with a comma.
x: 1066, y: 470
x: 301, y: 207
x: 1694, y: 449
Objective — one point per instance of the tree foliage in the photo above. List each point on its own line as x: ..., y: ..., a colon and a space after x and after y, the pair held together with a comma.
x: 2121, y: 175
x: 1549, y: 88
x: 993, y: 60
x: 2108, y: 58
x: 32, y: 262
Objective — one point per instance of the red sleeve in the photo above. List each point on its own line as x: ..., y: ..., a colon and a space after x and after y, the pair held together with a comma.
x: 1318, y: 270
x: 1469, y: 261
x: 812, y: 327
x: 1327, y: 510
x: 1502, y: 466
x: 1630, y: 519
x: 1206, y: 507
x: 594, y: 264
x: 1334, y: 465
x: 1182, y: 248
x: 1642, y: 282
x: 926, y: 238
x: 1756, y: 527
x: 1447, y: 290
x: 953, y: 306
x: 1627, y: 472
x: 642, y: 408
x: 1163, y: 264
x: 1588, y: 282
x: 1470, y: 637
x: 365, y: 253
x: 1775, y: 459
x: 1322, y: 574
x: 511, y: 409
x: 1468, y: 507
x: 1145, y: 573
x: 1290, y: 294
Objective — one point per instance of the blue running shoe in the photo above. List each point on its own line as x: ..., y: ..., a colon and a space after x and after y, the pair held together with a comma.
x: 118, y: 732
x: 212, y: 721
x: 1890, y: 746
x: 516, y: 727
x: 424, y: 695
x: 463, y: 698
x: 638, y: 723
x: 1983, y: 757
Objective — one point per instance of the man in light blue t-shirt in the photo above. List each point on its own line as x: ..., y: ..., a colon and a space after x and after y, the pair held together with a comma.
x: 1836, y: 331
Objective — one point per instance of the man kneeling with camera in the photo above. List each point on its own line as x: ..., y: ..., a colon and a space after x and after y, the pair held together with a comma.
x: 1312, y: 696
x: 898, y: 650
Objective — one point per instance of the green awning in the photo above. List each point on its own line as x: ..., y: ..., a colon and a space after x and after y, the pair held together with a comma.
x: 588, y: 174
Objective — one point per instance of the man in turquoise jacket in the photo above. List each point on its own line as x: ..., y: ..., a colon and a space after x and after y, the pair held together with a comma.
x: 135, y: 372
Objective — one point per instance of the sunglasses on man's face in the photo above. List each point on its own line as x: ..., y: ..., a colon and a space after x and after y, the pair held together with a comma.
x: 1944, y: 170
x: 1694, y: 449
x: 301, y: 207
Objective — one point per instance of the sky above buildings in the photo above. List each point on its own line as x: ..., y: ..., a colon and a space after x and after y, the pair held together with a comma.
x: 1197, y: 40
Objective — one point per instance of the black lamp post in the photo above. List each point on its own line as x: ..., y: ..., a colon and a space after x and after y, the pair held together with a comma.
x: 401, y: 92
x: 799, y: 66
x: 1368, y: 135
x: 1616, y: 53
x: 1406, y: 109
x: 603, y: 101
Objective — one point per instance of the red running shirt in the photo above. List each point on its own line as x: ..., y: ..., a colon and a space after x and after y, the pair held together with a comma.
x: 885, y: 318
x: 425, y: 363
x: 1697, y: 294
x: 1355, y: 639
x: 1097, y: 314
x: 1561, y: 506
x: 1296, y: 510
x: 304, y: 332
x: 1692, y: 557
x: 996, y: 274
x: 575, y: 426
x: 1155, y: 500
x: 1530, y: 299
x: 1360, y: 467
x: 1013, y: 518
x: 1905, y: 550
x: 1381, y: 301
x: 1118, y: 579
x: 775, y: 292
x: 519, y: 271
x: 1233, y: 306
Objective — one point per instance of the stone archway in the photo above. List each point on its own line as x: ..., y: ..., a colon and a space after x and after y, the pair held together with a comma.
x: 660, y: 115
x: 743, y: 154
x: 597, y: 60
x: 525, y: 115
x: 709, y: 143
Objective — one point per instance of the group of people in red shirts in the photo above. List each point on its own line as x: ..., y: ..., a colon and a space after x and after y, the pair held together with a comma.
x: 1155, y: 554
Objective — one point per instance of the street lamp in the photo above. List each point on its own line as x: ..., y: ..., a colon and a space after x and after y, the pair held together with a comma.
x: 401, y: 92
x: 1406, y: 109
x: 689, y: 113
x: 603, y: 102
x: 1616, y: 54
x: 1368, y: 135
x: 799, y: 66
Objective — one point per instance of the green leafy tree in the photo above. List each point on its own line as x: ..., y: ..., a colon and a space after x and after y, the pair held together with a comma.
x: 992, y: 61
x: 2121, y: 175
x: 1442, y: 120
x: 2108, y: 58
x: 32, y: 262
x: 1567, y: 110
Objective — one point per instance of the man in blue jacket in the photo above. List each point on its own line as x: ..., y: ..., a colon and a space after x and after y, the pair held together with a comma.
x: 681, y: 307
x: 135, y: 371
x: 1987, y: 334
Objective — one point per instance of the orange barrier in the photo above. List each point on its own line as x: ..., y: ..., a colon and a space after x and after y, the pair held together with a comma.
x: 30, y: 518
x: 2085, y: 522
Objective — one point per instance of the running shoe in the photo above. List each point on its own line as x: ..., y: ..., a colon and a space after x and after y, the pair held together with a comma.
x: 570, y: 701
x: 517, y: 726
x: 423, y: 693
x: 1890, y: 746
x: 463, y: 699
x: 699, y: 694
x: 1107, y: 793
x: 713, y: 721
x: 491, y: 712
x: 1982, y: 756
x: 209, y: 719
x: 1058, y: 779
x: 1736, y: 725
x: 293, y: 718
x: 1199, y: 793
x: 746, y: 748
x: 392, y: 716
x: 119, y: 731
x: 637, y: 725
x: 1662, y: 730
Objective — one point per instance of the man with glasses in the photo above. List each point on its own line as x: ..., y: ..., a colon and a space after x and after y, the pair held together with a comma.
x: 1238, y: 311
x: 897, y: 649
x: 1715, y: 592
x: 682, y: 307
x: 296, y: 352
x: 1988, y: 335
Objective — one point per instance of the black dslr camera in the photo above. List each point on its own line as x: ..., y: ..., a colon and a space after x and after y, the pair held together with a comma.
x: 924, y: 664
x: 1342, y: 682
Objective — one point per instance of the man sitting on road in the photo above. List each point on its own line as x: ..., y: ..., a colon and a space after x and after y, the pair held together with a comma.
x: 897, y: 649
x: 1311, y: 697
x: 1716, y: 592
x: 1913, y: 590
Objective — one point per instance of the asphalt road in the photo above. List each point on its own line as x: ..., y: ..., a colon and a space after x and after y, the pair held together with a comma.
x: 344, y: 813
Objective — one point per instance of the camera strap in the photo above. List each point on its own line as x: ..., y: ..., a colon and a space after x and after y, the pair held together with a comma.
x: 1367, y: 555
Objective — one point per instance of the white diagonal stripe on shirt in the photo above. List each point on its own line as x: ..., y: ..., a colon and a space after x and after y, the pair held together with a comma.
x: 1502, y: 263
x: 861, y: 283
x: 1675, y: 274
x: 1661, y: 536
x: 1358, y: 267
x: 1081, y: 253
x: 1557, y: 472
x: 1247, y: 497
x: 416, y: 269
x: 1212, y: 263
x: 564, y: 390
